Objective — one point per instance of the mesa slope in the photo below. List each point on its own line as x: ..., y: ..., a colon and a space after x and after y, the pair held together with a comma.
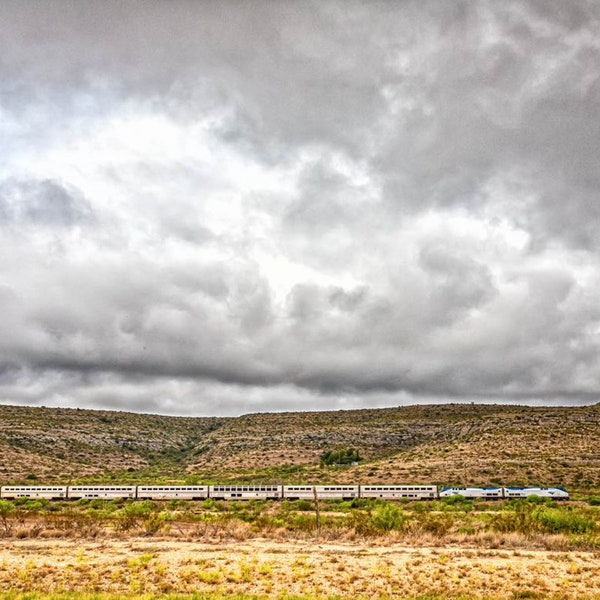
x: 457, y: 444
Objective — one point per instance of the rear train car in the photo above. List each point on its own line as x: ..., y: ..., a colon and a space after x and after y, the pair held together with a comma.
x: 54, y: 492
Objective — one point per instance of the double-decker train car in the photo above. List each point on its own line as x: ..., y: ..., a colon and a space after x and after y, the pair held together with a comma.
x: 172, y: 492
x: 395, y: 492
x: 105, y: 492
x: 49, y: 492
x: 323, y: 492
x: 245, y: 492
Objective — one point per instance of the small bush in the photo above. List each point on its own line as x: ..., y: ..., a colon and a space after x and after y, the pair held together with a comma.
x: 303, y: 505
x: 457, y: 499
x: 388, y: 517
x: 437, y: 524
x: 535, y: 499
x: 303, y: 523
x: 362, y: 523
x: 346, y: 456
x: 7, y: 510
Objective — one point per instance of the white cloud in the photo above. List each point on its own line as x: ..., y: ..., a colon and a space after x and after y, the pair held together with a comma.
x: 214, y: 210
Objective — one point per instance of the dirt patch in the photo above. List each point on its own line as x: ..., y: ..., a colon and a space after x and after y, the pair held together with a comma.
x: 270, y: 568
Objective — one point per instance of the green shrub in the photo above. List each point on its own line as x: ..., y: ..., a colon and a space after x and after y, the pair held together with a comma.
x: 340, y: 457
x: 360, y: 503
x: 388, y: 517
x: 437, y: 524
x: 457, y: 499
x: 535, y: 499
x: 36, y: 505
x: 133, y: 515
x: 553, y: 520
x: 303, y: 505
x: 303, y: 522
x: 362, y: 522
x: 516, y: 517
x: 7, y: 510
x: 457, y: 502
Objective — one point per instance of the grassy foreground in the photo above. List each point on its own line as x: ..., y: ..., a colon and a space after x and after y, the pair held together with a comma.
x: 453, y: 549
x: 290, y: 570
x: 194, y: 596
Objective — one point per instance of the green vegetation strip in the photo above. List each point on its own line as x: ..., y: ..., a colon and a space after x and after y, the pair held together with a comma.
x: 577, y: 523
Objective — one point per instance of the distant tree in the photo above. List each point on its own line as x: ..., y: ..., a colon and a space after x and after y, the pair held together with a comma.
x: 345, y: 456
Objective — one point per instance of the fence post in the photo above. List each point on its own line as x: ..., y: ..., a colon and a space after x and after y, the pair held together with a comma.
x: 317, y: 511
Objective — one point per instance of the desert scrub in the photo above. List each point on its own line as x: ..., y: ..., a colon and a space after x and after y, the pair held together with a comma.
x: 74, y: 523
x: 457, y: 503
x: 145, y: 517
x: 388, y: 517
x: 557, y: 520
x: 7, y: 512
x: 528, y: 518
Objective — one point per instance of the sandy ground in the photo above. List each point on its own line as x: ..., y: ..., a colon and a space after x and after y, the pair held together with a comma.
x: 269, y: 568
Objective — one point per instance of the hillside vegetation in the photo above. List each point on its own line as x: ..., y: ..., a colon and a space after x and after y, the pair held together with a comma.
x: 458, y: 444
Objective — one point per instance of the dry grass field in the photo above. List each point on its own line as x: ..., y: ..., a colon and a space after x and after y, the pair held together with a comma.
x: 264, y: 568
x: 453, y: 549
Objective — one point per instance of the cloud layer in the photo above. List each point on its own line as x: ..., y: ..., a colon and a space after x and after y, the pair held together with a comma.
x: 217, y: 208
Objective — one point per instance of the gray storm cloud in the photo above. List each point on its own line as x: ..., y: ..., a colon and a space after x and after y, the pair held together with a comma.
x: 214, y: 208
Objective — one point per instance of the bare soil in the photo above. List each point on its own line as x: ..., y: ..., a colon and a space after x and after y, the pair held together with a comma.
x: 309, y: 568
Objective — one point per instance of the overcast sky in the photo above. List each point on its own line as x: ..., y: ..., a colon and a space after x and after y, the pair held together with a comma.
x: 214, y: 208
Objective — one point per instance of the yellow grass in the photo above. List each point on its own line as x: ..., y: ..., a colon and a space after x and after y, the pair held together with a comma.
x: 267, y: 568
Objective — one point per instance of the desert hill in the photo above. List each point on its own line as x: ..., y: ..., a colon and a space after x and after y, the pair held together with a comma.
x: 459, y: 444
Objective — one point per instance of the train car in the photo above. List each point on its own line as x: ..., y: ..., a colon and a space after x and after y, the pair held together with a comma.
x: 556, y: 493
x: 472, y: 493
x: 323, y: 492
x: 172, y: 492
x: 54, y: 492
x: 245, y: 492
x: 105, y: 492
x: 397, y: 492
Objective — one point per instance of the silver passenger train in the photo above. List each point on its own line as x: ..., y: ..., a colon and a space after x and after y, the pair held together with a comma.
x: 272, y: 492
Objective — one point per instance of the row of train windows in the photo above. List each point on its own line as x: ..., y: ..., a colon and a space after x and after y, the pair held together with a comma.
x: 34, y: 489
x: 245, y: 489
x: 172, y: 489
x: 396, y: 489
x: 308, y: 488
x: 102, y: 489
